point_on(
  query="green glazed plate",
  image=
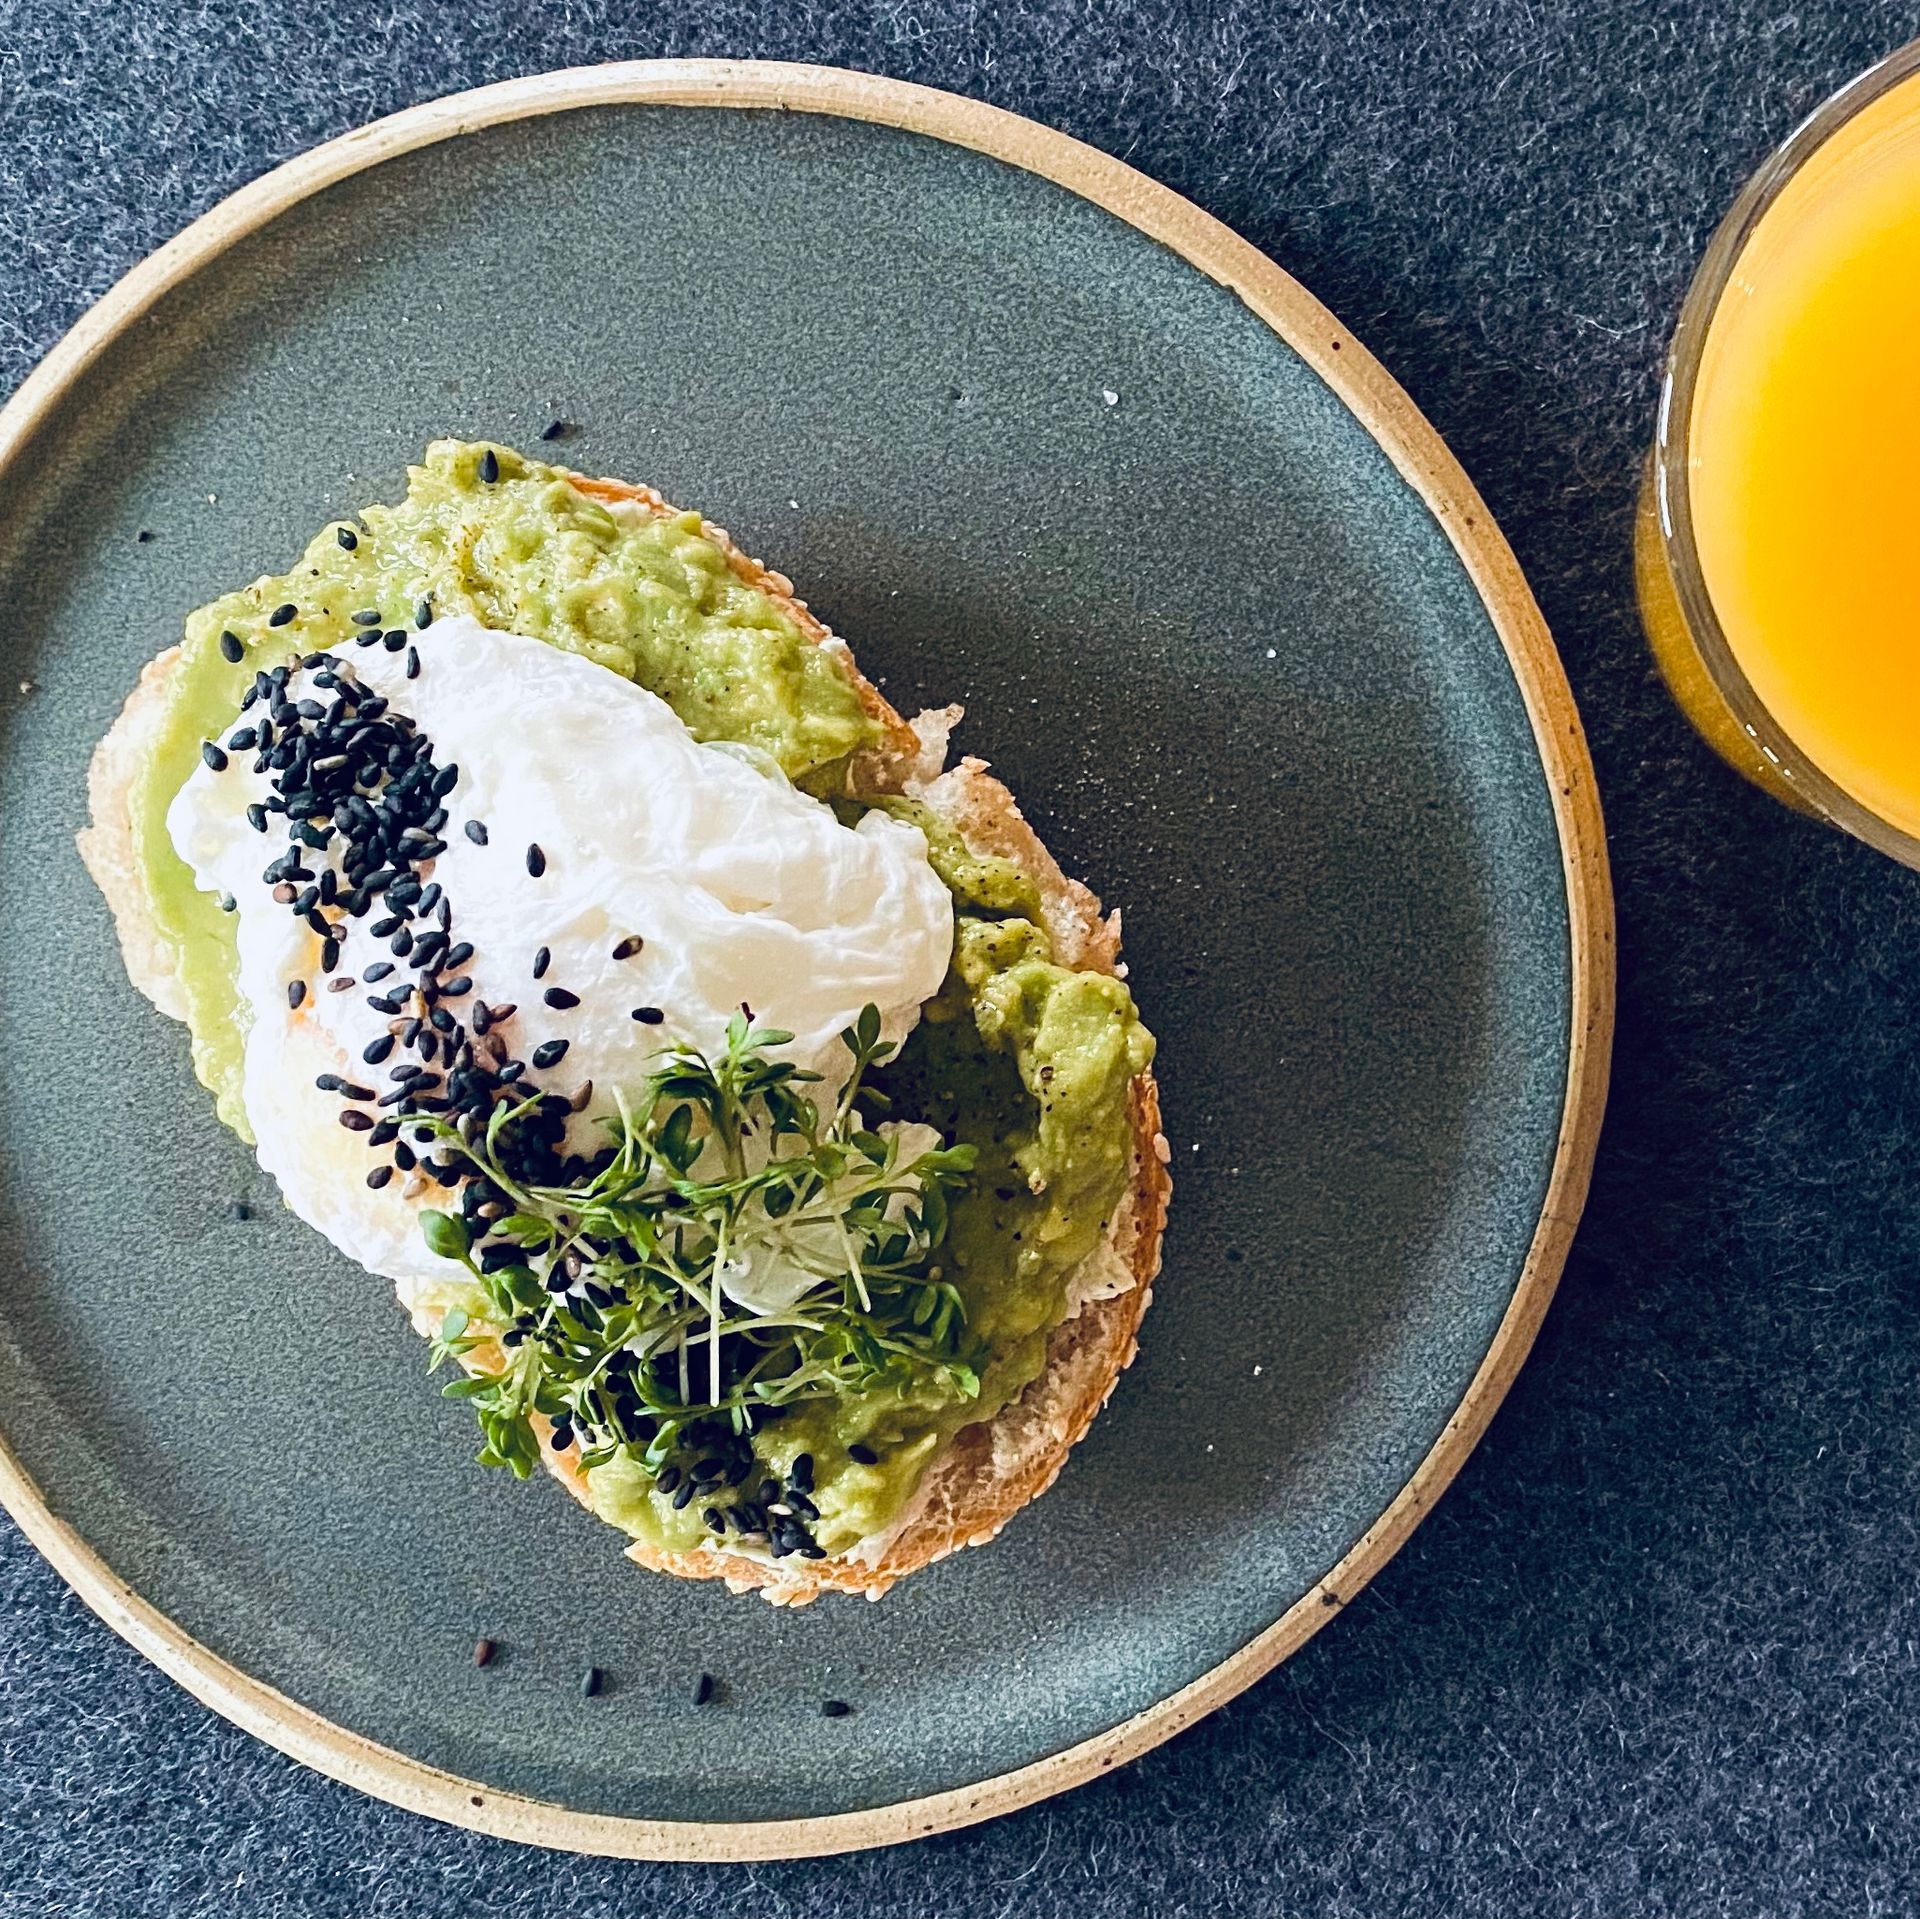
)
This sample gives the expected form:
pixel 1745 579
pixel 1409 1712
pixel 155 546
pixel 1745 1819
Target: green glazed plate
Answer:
pixel 1036 435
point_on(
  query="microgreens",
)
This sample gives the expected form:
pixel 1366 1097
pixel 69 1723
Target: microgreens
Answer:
pixel 617 1299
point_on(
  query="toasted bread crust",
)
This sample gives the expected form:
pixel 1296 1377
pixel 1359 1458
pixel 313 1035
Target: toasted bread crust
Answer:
pixel 991 1469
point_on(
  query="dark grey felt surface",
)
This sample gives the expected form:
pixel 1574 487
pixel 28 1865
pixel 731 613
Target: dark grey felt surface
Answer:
pixel 1655 1654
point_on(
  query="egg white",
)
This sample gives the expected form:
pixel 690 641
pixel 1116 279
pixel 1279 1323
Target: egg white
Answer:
pixel 743 889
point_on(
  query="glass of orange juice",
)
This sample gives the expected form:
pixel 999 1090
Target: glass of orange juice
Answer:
pixel 1778 543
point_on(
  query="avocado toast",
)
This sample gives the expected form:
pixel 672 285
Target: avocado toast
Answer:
pixel 797 1309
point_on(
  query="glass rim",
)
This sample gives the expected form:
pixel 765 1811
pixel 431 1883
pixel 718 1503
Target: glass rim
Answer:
pixel 1671 450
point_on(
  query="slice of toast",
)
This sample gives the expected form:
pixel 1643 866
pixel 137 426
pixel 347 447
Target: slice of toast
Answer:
pixel 991 1469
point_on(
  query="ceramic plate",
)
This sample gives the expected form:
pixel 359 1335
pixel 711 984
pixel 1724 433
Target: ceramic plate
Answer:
pixel 1038 436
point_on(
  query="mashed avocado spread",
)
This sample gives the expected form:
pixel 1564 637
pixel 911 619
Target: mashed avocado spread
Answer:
pixel 1025 1061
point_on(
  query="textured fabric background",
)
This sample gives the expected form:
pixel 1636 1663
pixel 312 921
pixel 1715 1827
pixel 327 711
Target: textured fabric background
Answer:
pixel 1655 1655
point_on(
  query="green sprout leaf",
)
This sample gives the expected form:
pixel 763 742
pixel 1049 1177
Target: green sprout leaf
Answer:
pixel 446 1236
pixel 736 1248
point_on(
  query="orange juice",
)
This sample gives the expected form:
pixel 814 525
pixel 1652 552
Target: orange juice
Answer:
pixel 1803 460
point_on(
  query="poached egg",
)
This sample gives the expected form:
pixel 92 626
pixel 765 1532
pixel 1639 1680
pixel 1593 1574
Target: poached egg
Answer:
pixel 585 821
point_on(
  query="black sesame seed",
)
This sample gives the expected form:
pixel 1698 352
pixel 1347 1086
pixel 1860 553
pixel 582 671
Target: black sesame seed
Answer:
pixel 536 861
pixel 282 614
pixel 328 1082
pixel 381 1004
pixel 648 1015
pixel 376 1050
pixel 549 1053
pixel 381 928
pixel 476 832
pixel 377 971
pixel 800 1473
pixel 403 1157
pixel 379 1176
pixel 560 999
pixel 413 662
pixel 385 1133
pixel 423 614
pixel 713 1519
pixel 591 1679
pixel 347 537
pixel 541 961
pixel 669 1478
pixel 683 1498
pixel 483 1650
pixel 329 954
pixel 460 954
pixel 296 991
pixel 555 430
pixel 347 1090
pixel 257 817
pixel 628 947
pixel 321 930
pixel 703 1689
pixel 863 1455
pixel 356 1121
pixel 394 638
pixel 213 756
pixel 834 1708
pixel 489 466
pixel 231 649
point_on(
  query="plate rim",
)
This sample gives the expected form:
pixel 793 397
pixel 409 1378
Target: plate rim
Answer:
pixel 1423 460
